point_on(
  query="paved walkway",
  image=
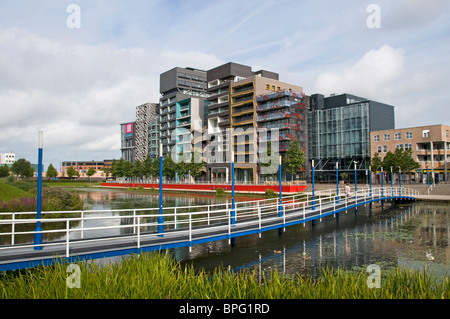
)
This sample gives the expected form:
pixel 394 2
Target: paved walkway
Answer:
pixel 440 192
pixel 434 197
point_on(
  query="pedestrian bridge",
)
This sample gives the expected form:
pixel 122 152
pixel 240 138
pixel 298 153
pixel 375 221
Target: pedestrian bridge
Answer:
pixel 78 235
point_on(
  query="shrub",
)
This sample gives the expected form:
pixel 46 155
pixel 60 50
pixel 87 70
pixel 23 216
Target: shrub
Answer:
pixel 270 193
pixel 220 191
pixel 52 200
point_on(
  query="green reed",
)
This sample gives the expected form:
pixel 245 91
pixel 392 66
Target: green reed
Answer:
pixel 158 276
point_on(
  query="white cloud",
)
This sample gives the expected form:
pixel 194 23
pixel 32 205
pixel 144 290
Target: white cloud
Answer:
pixel 370 76
pixel 78 85
pixel 78 94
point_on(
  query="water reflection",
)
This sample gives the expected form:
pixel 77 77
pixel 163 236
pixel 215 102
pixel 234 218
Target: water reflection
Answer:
pixel 107 199
pixel 411 235
pixel 414 236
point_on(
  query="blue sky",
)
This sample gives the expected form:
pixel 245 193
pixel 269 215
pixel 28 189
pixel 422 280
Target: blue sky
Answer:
pixel 79 84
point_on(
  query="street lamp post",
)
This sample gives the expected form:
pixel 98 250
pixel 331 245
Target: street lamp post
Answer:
pixel 400 180
pixel 280 206
pixel 313 198
pixel 356 183
pixel 38 230
pixel 392 183
pixel 337 182
pixel 233 211
pixel 160 217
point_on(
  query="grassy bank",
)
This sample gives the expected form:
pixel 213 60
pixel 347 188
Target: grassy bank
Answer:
pixel 21 197
pixel 9 192
pixel 157 276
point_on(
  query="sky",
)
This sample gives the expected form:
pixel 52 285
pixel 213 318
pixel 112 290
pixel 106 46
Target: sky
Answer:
pixel 78 72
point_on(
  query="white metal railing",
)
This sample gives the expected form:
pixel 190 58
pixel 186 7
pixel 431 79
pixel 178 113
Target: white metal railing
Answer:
pixel 100 226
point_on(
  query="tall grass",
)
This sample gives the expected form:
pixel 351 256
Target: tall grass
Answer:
pixel 158 276
pixel 52 200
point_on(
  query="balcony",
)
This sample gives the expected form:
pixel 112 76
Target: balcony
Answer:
pixel 239 120
pixel 242 88
pixel 267 106
pixel 242 98
pixel 273 116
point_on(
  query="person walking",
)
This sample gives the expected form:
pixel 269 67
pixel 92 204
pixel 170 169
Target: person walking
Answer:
pixel 347 191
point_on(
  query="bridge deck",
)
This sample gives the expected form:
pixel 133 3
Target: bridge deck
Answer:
pixel 263 218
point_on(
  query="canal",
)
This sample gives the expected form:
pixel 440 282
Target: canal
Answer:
pixel 413 235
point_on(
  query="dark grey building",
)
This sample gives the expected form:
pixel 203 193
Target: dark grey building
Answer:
pixel 183 92
pixel 339 129
pixel 128 141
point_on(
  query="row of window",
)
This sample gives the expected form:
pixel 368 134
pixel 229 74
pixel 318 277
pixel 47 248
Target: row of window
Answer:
pixel 399 146
pixel 397 136
pixel 191 76
pixel 272 88
pixel 409 135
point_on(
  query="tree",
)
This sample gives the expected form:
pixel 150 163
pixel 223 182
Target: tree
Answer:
pixel 376 163
pixel 169 167
pixel 295 159
pixel 22 168
pixel 116 168
pixel 147 166
pixel 155 167
pixel 91 171
pixel 196 165
pixel 127 169
pixel 400 159
pixel 138 169
pixel 51 171
pixel 4 171
pixel 71 172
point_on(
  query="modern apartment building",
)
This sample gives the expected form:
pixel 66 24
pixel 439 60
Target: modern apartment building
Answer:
pixel 135 141
pixel 182 109
pixel 145 114
pixel 7 158
pixel 218 118
pixel 282 114
pixel 429 145
pixel 153 137
pixel 233 117
pixel 127 141
pixel 339 129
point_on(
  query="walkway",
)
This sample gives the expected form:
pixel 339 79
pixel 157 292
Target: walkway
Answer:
pixel 98 234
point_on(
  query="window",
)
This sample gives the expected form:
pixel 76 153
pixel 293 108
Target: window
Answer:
pixel 409 135
pixel 387 137
pixel 426 133
pixel 279 89
pixel 273 87
pixel 399 146
pixel 379 149
pixel 376 138
pixel 268 87
pixel 398 136
pixel 384 148
pixel 408 146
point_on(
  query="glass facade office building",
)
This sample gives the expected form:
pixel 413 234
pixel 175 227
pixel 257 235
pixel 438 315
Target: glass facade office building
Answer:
pixel 339 132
